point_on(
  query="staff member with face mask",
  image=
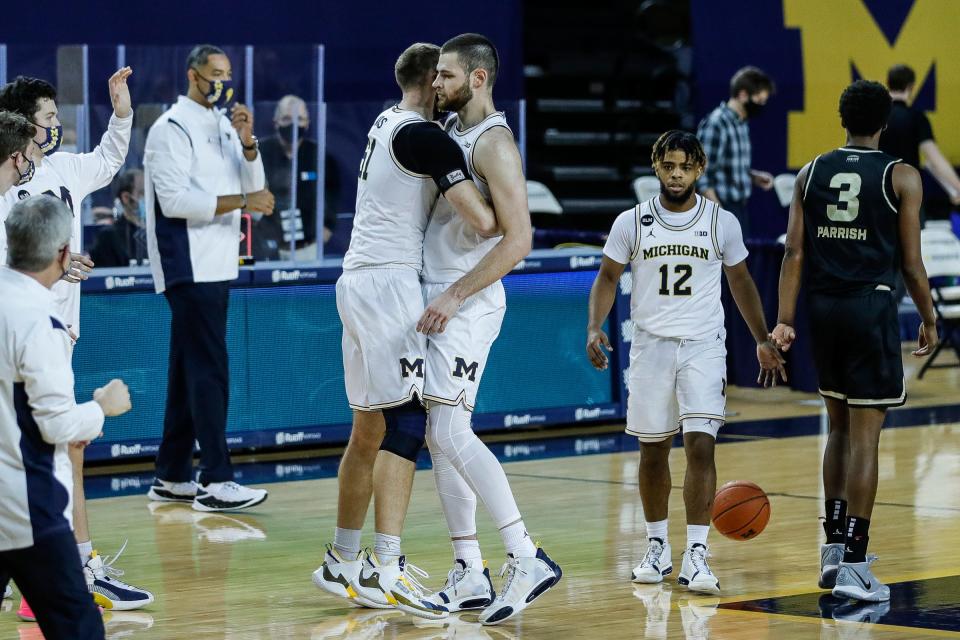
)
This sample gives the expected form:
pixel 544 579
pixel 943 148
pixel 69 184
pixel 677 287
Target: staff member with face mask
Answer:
pixel 201 168
pixel 725 135
pixel 125 241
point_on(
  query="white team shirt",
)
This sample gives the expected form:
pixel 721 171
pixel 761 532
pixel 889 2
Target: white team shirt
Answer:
pixel 72 177
pixel 676 261
pixel 38 414
pixel 193 155
pixel 451 247
pixel 393 204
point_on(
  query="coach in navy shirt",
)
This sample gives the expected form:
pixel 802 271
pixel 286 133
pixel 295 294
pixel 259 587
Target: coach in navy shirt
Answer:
pixel 201 168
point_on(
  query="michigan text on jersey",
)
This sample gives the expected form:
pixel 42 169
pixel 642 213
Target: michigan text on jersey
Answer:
pixel 676 250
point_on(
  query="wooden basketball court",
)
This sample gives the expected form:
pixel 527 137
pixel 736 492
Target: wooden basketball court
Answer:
pixel 247 576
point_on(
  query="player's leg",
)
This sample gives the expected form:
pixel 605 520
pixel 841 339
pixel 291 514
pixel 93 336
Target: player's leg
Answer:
pixel 836 456
pixel 102 577
pixel 652 417
pixel 392 484
pixel 828 341
pixel 701 394
pixel 873 370
pixel 456 360
pixel 468 584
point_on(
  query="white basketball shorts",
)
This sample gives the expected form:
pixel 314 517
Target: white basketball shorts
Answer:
pixel 457 357
pixel 383 355
pixel 675 383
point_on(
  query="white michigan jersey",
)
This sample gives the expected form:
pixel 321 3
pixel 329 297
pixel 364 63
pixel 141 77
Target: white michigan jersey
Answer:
pixel 71 177
pixel 393 204
pixel 676 261
pixel 451 247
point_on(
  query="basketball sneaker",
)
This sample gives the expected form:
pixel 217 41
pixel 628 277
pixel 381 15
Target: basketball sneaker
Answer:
pixel 107 590
pixel 656 563
pixel 526 580
pixel 336 572
pixel 366 584
pixel 695 573
pixel 163 491
pixel 856 580
pixel 466 588
pixel 25 613
pixel 831 555
pixel 227 496
pixel 399 582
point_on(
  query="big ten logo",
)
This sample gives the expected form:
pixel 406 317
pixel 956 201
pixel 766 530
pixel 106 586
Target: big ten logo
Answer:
pixel 840 36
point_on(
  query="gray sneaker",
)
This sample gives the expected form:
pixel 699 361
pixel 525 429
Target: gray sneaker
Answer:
pixel 831 555
pixel 855 580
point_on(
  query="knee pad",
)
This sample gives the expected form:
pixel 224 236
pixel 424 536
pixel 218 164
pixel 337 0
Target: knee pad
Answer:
pixel 406 430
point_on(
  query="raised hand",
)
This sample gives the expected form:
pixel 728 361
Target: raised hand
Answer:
pixel 120 92
pixel 242 120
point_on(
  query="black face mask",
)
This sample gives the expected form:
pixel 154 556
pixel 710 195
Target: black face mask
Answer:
pixel 286 133
pixel 753 109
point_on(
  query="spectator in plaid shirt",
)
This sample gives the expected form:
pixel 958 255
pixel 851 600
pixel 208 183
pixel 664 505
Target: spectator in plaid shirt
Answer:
pixel 725 136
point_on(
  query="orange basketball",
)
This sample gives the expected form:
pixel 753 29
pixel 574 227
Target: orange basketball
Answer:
pixel 741 510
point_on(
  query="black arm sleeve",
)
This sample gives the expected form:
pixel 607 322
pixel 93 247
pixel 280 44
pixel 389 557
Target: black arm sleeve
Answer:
pixel 426 149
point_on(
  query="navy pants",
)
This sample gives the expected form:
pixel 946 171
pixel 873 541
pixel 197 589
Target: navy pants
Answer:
pixel 198 384
pixel 50 577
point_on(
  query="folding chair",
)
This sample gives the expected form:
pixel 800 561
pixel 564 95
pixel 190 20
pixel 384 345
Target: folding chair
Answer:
pixel 941 257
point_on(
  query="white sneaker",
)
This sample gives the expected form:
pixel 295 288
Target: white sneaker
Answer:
pixel 695 573
pixel 227 496
pixel 856 580
pixel 526 580
pixel 466 588
pixel 656 563
pixel 367 584
pixel 336 573
pixel 831 555
pixel 399 582
pixel 108 590
pixel 163 491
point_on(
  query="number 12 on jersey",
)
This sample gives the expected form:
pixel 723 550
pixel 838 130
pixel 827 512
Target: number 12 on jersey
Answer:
pixel 682 270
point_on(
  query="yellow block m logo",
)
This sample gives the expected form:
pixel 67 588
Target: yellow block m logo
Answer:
pixel 837 35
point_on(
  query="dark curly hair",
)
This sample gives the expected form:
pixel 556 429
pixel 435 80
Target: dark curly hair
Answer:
pixel 676 140
pixel 864 107
pixel 22 95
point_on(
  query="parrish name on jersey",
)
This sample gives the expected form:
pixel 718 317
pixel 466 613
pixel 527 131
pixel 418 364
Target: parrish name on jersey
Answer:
pixel 842 233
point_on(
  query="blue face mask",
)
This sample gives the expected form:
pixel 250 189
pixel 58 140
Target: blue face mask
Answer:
pixel 220 93
pixel 26 176
pixel 54 137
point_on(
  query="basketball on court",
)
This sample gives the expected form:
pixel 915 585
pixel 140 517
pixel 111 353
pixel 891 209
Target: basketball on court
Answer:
pixel 741 510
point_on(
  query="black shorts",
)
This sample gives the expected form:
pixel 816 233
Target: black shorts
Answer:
pixel 856 348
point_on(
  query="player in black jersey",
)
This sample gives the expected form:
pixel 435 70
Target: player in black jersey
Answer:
pixel 854 222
